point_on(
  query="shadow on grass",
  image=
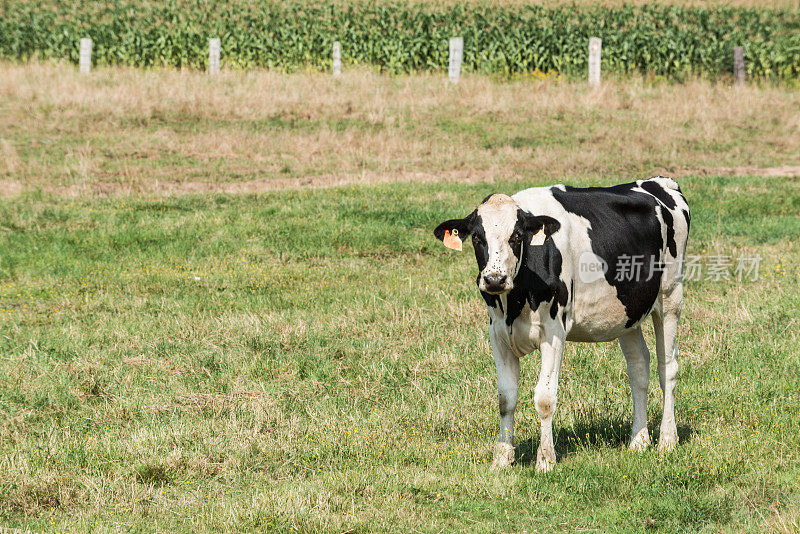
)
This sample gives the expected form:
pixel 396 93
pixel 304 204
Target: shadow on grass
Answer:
pixel 590 435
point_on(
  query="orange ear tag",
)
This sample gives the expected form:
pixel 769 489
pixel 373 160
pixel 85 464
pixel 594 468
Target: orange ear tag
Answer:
pixel 538 238
pixel 452 240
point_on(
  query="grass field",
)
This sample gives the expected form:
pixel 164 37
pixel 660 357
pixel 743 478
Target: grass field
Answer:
pixel 196 335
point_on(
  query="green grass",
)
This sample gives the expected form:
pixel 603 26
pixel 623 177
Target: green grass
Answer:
pixel 315 360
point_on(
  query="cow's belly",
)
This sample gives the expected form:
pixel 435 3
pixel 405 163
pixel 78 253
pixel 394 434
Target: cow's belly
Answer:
pixel 590 334
pixel 597 314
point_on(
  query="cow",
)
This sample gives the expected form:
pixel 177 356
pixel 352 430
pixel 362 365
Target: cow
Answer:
pixel 561 264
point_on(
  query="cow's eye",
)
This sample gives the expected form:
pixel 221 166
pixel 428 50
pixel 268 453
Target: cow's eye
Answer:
pixel 515 237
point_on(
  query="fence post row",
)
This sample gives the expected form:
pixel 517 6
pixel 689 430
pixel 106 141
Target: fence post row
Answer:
pixel 454 68
pixel 85 56
pixel 595 44
pixel 213 55
pixel 738 65
pixel 337 58
pixel 456 55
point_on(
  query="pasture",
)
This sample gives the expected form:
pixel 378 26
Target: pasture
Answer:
pixel 222 307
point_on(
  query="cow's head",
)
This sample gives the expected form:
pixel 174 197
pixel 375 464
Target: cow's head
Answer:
pixel 501 233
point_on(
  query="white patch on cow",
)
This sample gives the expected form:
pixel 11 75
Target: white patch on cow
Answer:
pixel 660 216
pixel 499 216
pixel 666 183
pixel 597 313
pixel 525 335
pixel 591 267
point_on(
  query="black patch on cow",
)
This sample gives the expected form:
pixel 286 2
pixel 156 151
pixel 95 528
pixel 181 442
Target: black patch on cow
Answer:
pixel 564 319
pixel 669 222
pixel 624 225
pixel 657 191
pixel 538 279
pixel 479 243
pixel 492 301
pixel 533 223
pixel 688 218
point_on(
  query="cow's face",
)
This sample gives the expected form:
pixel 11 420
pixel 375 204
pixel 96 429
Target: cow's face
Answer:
pixel 501 232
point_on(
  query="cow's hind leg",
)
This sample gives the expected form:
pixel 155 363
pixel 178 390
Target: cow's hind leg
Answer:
pixel 637 359
pixel 665 325
pixel 507 364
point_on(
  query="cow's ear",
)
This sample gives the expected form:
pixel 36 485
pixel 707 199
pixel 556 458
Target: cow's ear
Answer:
pixel 455 231
pixel 541 227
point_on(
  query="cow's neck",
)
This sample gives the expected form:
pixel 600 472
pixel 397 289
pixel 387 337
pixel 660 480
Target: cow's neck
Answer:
pixel 529 288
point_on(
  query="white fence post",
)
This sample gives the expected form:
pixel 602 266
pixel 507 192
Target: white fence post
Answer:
pixel 86 56
pixel 213 55
pixel 738 65
pixel 337 58
pixel 595 44
pixel 456 55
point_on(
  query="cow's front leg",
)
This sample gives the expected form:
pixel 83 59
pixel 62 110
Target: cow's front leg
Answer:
pixel 507 364
pixel 545 397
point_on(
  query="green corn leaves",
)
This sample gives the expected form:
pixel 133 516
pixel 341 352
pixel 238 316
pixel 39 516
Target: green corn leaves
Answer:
pixel 669 41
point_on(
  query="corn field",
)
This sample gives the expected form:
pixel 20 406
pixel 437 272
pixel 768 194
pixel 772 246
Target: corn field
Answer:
pixel 662 40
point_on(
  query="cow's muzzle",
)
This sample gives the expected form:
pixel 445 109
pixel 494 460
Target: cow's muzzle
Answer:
pixel 494 283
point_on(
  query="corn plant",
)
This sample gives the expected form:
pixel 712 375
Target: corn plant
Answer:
pixel 663 40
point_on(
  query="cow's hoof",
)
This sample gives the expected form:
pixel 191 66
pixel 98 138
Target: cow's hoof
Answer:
pixel 545 462
pixel 503 455
pixel 667 445
pixel 667 440
pixel 640 441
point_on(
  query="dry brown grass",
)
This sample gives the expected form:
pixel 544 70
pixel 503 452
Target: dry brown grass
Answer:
pixel 166 131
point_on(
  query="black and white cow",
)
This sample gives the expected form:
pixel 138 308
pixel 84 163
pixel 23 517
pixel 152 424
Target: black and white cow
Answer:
pixel 589 264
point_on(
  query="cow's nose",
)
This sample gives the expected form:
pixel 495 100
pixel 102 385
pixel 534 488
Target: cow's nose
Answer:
pixel 495 282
